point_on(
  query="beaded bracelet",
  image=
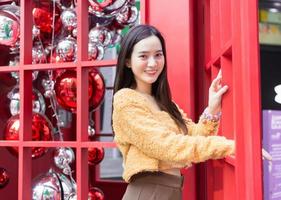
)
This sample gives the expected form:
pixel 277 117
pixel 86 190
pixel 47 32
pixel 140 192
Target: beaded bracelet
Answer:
pixel 208 116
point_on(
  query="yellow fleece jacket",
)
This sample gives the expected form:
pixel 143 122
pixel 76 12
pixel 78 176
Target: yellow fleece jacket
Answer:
pixel 150 140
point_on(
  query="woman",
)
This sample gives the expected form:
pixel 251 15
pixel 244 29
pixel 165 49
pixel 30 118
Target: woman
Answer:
pixel 154 136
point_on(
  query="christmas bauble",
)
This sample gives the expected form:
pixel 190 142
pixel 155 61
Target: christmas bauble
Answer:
pixel 69 19
pixel 128 15
pixel 91 131
pixel 38 54
pixel 41 131
pixel 43 17
pixel 66 49
pixel 95 155
pixel 9 25
pixel 98 89
pixel 63 157
pixel 47 186
pixel 68 186
pixel 115 7
pixel 66 89
pixel 100 35
pixel 4 177
pixel 95 51
pixel 38 102
pixel 95 194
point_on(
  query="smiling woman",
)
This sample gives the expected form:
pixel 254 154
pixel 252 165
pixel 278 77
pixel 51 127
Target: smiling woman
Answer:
pixel 153 134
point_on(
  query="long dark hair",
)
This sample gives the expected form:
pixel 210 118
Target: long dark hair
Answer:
pixel 160 88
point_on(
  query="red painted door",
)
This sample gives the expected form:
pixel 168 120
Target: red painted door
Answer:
pixel 229 41
pixel 175 21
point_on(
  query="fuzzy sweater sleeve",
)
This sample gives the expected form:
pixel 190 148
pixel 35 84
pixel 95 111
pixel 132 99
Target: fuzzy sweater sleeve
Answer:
pixel 204 127
pixel 134 124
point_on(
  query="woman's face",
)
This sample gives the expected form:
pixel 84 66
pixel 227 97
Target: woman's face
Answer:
pixel 147 62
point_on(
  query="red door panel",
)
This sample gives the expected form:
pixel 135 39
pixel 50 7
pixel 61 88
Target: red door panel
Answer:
pixel 231 44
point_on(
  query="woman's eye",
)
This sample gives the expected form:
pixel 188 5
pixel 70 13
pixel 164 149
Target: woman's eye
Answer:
pixel 158 55
pixel 143 56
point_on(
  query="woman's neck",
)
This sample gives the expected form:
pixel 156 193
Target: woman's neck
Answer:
pixel 144 90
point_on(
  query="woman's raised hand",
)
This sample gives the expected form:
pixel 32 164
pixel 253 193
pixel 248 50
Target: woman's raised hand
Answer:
pixel 216 92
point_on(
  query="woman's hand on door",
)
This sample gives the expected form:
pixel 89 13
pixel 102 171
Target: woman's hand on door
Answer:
pixel 216 92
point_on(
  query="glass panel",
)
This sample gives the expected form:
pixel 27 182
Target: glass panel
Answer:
pixel 111 167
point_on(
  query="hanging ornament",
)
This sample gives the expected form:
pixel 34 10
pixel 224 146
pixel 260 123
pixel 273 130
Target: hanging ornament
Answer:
pixel 43 18
pixel 48 86
pixel 66 49
pixel 9 30
pixel 66 89
pixel 47 186
pixel 114 8
pixel 41 131
pixel 4 177
pixel 95 51
pixel 68 186
pixel 106 8
pixel 9 25
pixel 95 194
pixel 128 15
pixel 98 88
pixel 38 54
pixel 95 9
pixel 63 157
pixel 69 19
pixel 91 132
pixel 38 101
pixel 35 32
pixel 95 155
pixel 100 35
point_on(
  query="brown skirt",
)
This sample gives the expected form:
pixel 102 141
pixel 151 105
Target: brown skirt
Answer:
pixel 154 186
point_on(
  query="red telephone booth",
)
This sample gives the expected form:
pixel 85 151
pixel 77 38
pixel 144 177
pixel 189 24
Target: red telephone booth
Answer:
pixel 208 36
pixel 202 37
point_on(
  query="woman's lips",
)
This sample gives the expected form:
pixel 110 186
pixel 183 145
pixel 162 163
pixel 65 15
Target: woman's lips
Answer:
pixel 151 72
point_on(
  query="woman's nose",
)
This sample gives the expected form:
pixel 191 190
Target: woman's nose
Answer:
pixel 151 61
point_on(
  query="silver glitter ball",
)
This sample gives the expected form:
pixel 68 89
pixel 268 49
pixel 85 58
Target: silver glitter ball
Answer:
pixel 63 157
pixel 69 19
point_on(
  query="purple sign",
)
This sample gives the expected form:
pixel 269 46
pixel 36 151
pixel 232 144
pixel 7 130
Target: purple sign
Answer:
pixel 272 143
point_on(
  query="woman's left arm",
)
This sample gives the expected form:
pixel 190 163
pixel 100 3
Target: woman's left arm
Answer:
pixel 209 121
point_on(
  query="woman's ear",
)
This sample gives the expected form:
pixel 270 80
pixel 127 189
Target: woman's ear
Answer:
pixel 128 63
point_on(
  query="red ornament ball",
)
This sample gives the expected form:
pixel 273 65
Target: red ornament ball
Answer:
pixel 4 177
pixel 95 155
pixel 41 131
pixel 66 89
pixel 95 194
pixel 98 85
pixel 43 17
